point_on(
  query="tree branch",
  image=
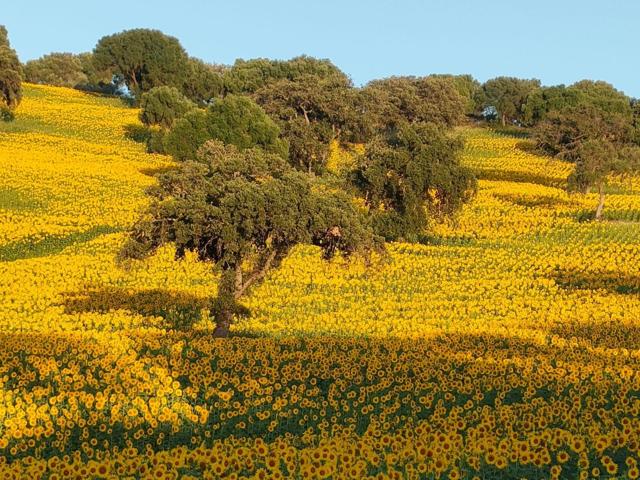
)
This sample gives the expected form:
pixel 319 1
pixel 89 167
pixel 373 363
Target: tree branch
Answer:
pixel 258 273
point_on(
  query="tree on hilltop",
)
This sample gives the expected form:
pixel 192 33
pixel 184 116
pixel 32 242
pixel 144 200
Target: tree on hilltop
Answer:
pixel 434 99
pixel 143 59
pixel 507 95
pixel 249 76
pixel 10 76
pixel 597 134
pixel 599 95
pixel 59 69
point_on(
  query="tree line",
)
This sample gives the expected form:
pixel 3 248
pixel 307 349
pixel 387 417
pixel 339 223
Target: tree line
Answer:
pixel 252 143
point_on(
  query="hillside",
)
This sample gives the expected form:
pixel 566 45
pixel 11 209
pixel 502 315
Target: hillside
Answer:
pixel 517 292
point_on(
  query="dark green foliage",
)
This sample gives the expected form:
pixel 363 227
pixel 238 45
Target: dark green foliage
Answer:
pixel 467 86
pixel 409 173
pixel 233 120
pixel 101 82
pixel 547 99
pixel 203 82
pixel 604 97
pixel 312 111
pixel 143 58
pixel 155 142
pixel 433 99
pixel 562 132
pixel 137 133
pixel 187 135
pixel 60 69
pixel 163 105
pixel 635 132
pixel 596 159
pixel 442 103
pixel 244 208
pixel 599 95
pixel 10 77
pixel 593 126
pixel 248 76
pixel 239 121
pixel 507 95
pixel 6 114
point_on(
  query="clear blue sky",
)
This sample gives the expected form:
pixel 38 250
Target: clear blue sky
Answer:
pixel 557 41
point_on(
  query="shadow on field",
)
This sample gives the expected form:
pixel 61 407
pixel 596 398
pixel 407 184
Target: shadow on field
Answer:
pixel 51 245
pixel 180 310
pixel 154 171
pixel 533 201
pixel 604 334
pixel 614 282
pixel 516 176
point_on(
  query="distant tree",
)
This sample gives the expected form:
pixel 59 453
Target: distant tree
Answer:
pixel 143 59
pixel 417 99
pixel 60 69
pixel 548 99
pixel 248 76
pixel 243 211
pixel 592 126
pixel 467 86
pixel 442 103
pixel 599 95
pixel 234 120
pixel 203 81
pixel 635 134
pixel 311 112
pixel 68 70
pixel 603 96
pixel 507 95
pixel 562 132
pixel 162 106
pixel 410 173
pixel 596 160
pixel 10 76
pixel 97 81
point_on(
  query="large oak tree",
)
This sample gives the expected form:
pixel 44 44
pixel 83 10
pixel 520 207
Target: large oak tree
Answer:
pixel 243 211
pixel 143 59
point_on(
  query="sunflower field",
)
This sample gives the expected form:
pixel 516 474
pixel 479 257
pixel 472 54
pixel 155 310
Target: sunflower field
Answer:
pixel 504 345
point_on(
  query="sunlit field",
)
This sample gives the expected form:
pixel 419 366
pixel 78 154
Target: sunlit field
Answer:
pixel 506 344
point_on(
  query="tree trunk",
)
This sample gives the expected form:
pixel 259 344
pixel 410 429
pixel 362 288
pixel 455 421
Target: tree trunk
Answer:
pixel 233 285
pixel 223 323
pixel 306 115
pixel 503 119
pixel 229 286
pixel 600 202
pixel 134 82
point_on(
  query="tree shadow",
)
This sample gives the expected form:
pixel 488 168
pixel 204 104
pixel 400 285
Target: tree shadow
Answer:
pixel 499 175
pixel 180 310
pixel 154 171
pixel 136 132
pixel 614 282
pixel 51 245
pixel 603 334
pixel 539 201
